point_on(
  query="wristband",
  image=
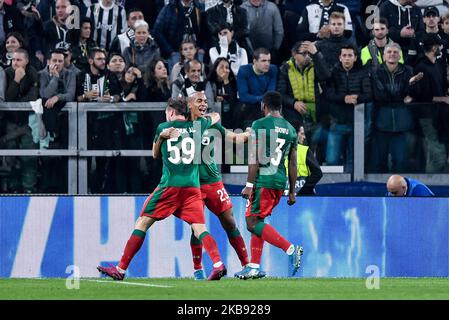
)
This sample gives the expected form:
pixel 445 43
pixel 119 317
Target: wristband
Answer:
pixel 249 184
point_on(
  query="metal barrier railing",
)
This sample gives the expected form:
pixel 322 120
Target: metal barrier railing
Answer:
pixel 72 149
pixel 77 150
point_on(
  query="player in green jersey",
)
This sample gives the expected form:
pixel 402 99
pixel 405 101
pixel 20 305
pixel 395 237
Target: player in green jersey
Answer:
pixel 177 142
pixel 214 194
pixel 273 139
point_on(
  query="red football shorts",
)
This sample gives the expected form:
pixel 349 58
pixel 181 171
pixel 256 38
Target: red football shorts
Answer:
pixel 183 202
pixel 216 197
pixel 262 201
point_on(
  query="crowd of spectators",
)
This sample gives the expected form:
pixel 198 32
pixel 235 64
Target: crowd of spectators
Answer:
pixel 323 56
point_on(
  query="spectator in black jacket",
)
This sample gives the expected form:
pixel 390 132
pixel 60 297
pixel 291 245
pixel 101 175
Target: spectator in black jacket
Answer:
pixel 348 86
pixel 177 21
pixel 12 20
pixel 404 21
pixel 392 117
pixel 229 11
pixel 22 85
pixel 82 44
pixel 431 91
pixel 55 29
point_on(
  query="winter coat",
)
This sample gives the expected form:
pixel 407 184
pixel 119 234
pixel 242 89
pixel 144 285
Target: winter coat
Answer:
pixel 343 83
pixel 398 17
pixel 142 55
pixel 390 113
pixel 169 27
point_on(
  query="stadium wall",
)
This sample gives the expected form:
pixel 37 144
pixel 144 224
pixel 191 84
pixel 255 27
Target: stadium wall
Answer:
pixel 342 237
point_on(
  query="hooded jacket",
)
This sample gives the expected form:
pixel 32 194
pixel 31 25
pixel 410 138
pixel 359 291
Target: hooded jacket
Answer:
pixel 399 16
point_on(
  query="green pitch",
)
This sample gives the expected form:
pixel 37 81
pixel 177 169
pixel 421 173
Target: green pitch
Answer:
pixel 228 288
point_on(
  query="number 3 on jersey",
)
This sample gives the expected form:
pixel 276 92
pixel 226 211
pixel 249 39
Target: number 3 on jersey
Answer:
pixel 278 152
pixel 185 154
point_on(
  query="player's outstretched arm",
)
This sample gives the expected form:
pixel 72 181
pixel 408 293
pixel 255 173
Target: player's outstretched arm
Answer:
pixel 292 174
pixel 238 138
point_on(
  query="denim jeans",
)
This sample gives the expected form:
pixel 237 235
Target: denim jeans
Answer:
pixel 434 150
pixel 393 143
pixel 340 144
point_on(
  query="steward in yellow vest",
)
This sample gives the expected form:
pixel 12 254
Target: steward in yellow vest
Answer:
pixel 309 170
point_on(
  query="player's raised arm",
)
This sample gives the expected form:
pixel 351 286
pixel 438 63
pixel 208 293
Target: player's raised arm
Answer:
pixel 292 174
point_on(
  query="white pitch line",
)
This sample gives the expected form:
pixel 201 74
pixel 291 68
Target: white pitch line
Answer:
pixel 130 283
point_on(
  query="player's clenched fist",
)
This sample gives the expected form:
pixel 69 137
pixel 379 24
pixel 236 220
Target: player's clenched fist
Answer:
pixel 291 199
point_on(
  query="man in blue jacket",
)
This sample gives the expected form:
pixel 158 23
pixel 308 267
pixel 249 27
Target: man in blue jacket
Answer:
pixel 399 186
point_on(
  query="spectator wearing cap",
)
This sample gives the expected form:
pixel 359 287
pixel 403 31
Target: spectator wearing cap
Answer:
pixel 66 48
pixel 404 21
pixel 266 29
pixel 431 18
pixel 315 19
pixel 431 92
pixel 143 48
pixel 57 87
pixel 441 5
pixel 82 44
pixel 123 40
pixel 192 82
pixel 229 49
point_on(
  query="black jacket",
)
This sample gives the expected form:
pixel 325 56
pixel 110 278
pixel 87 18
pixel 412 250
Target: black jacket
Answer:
pixel 343 83
pixel 13 19
pixel 390 113
pixel 216 17
pixel 331 48
pixel 398 17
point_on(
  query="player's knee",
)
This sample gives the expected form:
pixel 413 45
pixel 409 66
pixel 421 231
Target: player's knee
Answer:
pixel 250 227
pixel 144 223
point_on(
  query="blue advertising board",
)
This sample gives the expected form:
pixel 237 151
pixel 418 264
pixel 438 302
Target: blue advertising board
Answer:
pixel 342 237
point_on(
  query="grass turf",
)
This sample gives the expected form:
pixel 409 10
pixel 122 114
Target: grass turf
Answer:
pixel 228 288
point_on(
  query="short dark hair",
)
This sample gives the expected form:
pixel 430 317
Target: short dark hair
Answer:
pixel 259 51
pixel 180 106
pixel 93 52
pixel 272 100
pixel 350 46
pixel 113 54
pixel 56 51
pixel 24 52
pixel 131 11
pixel 383 21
